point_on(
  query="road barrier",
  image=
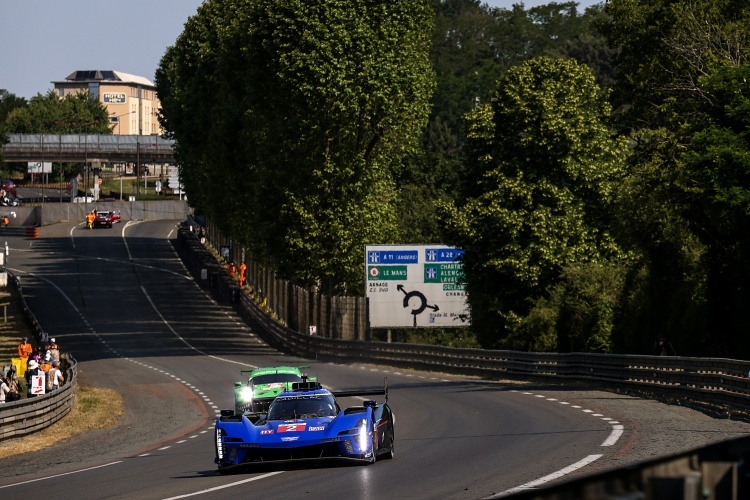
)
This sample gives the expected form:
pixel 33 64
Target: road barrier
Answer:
pixel 716 471
pixel 25 416
pixel 717 384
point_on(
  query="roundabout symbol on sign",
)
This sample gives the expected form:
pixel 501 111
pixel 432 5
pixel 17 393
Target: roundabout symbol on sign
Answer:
pixel 422 302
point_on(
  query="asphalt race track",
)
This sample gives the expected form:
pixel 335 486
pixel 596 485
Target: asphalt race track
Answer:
pixel 123 304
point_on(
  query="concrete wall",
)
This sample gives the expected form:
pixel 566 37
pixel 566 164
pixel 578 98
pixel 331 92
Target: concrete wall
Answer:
pixel 52 213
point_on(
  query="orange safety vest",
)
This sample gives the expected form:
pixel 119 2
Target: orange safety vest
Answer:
pixel 24 349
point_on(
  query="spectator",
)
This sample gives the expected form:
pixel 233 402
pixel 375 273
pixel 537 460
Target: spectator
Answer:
pixel 44 340
pixel 12 382
pixel 663 347
pixel 54 350
pixel 24 350
pixel 4 390
pixel 33 371
pixel 46 363
pixel 243 271
pixel 56 376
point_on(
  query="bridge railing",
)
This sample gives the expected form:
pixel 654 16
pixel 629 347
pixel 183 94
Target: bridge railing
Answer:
pixel 56 147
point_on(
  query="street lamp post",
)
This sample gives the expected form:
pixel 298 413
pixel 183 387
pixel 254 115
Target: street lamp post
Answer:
pixel 138 144
pixel 86 162
pixel 42 143
pixel 61 169
pixel 62 174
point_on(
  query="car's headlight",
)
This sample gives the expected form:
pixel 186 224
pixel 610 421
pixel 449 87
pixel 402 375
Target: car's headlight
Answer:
pixel 246 394
pixel 363 436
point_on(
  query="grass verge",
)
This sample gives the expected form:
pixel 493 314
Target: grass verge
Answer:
pixel 96 408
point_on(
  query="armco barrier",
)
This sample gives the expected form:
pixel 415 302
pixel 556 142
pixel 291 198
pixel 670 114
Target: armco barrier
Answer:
pixel 717 471
pixel 33 414
pixel 721 383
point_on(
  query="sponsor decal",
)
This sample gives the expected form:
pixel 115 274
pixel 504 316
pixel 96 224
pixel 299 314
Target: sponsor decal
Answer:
pixel 292 427
pixel 266 431
pixel 276 385
pixel 316 428
pixel 292 438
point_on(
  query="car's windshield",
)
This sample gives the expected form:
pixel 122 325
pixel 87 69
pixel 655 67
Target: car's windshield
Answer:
pixel 289 408
pixel 275 377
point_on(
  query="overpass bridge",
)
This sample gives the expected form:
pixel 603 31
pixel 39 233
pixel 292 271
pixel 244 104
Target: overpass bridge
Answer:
pixel 138 149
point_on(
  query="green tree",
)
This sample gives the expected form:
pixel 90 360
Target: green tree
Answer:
pixel 8 103
pixel 48 114
pixel 664 47
pixel 678 65
pixel 187 81
pixel 543 173
pixel 715 186
pixel 314 104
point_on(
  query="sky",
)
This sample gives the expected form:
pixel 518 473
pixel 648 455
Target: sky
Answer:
pixel 46 40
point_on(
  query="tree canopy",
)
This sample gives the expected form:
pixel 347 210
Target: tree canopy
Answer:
pixel 543 170
pixel 73 114
pixel 310 106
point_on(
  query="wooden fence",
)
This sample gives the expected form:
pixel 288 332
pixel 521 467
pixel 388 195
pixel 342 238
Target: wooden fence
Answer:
pixel 297 307
pixel 721 383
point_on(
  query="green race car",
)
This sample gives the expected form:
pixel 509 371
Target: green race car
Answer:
pixel 263 385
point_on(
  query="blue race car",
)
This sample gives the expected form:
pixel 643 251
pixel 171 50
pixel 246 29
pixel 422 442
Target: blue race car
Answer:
pixel 306 424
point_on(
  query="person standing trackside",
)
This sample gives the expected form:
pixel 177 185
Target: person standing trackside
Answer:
pixel 54 350
pixel 33 371
pixel 4 390
pixel 24 351
pixel 663 347
pixel 243 271
pixel 232 270
pixel 90 217
pixel 55 377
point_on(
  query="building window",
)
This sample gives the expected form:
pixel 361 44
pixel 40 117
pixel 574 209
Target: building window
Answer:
pixel 94 89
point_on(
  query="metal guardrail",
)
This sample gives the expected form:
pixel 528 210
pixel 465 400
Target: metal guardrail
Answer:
pixel 26 416
pixel 88 147
pixel 722 383
pixel 718 471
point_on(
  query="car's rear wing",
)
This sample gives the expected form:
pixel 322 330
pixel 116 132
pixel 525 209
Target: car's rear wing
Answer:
pixel 367 392
pixel 303 367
